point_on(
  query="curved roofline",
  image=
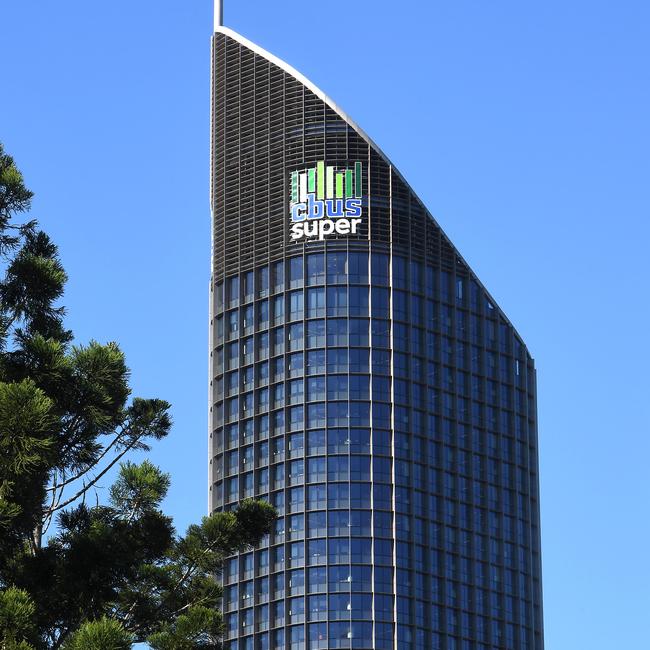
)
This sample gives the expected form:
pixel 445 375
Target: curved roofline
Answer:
pixel 308 84
pixel 283 65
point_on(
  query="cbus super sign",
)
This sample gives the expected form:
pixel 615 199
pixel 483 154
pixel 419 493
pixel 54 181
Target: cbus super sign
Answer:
pixel 325 201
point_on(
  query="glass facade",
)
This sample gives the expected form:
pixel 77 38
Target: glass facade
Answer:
pixel 370 390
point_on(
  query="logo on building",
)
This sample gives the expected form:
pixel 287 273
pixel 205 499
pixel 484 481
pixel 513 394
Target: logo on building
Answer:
pixel 325 201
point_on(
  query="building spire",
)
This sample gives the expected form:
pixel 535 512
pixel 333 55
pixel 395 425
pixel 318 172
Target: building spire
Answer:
pixel 218 13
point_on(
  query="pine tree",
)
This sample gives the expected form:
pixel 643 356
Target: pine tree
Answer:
pixel 74 575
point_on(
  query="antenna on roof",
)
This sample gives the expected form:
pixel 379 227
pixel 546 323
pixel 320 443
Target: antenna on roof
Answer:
pixel 218 13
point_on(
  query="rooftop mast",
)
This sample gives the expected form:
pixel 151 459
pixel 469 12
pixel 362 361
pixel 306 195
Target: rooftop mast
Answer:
pixel 218 13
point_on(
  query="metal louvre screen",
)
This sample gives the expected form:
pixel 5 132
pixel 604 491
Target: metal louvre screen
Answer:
pixel 267 125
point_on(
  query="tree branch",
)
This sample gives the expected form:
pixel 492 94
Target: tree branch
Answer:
pixel 76 477
pixel 87 486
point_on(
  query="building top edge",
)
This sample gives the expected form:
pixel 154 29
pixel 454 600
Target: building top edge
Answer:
pixel 289 69
pixel 305 82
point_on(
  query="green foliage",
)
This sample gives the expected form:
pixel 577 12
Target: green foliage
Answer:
pixel 26 426
pixel 138 490
pixel 14 198
pixel 103 634
pixel 108 575
pixel 17 628
pixel 199 627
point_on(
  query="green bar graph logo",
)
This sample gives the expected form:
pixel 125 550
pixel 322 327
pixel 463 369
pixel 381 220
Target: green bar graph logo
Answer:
pixel 325 182
pixel 325 200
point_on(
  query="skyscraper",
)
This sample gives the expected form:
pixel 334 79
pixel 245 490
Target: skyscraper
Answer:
pixel 365 383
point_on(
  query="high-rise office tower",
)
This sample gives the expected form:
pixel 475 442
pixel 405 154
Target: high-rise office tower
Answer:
pixel 366 384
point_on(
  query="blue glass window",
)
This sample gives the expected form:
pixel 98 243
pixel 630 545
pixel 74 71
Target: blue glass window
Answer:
pixel 337 268
pixel 380 302
pixel 317 580
pixel 316 269
pixel 295 272
pixel 316 333
pixel 358 268
pixel 337 301
pixel 337 332
pixel 380 269
pixel 316 302
pixel 359 303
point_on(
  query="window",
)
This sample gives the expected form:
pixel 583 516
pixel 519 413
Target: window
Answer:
pixel 297 581
pixel 339 607
pixel 360 550
pixel 360 441
pixel 358 268
pixel 338 441
pixel 232 292
pixel 360 495
pixel 315 303
pixel 277 276
pixel 315 269
pixel 318 605
pixel 315 333
pixel 295 445
pixel 338 495
pixel 317 634
pixel 296 418
pixel 340 635
pixel 360 413
pixel 316 526
pixel 316 389
pixel 296 611
pixel 315 415
pixel 296 362
pixel 295 272
pixel 315 470
pixel 317 580
pixel 315 362
pixel 358 328
pixel 361 578
pixel 262 373
pixel 359 360
pixel 278 613
pixel 248 322
pixel 263 282
pixel 337 301
pixel 263 314
pixel 400 306
pixel 248 377
pixel 316 552
pixel 362 608
pixel 381 362
pixel 380 333
pixel 359 303
pixel 316 442
pixel 360 523
pixel 296 339
pixel 337 361
pixel 339 579
pixel 337 267
pixel 337 387
pixel 295 391
pixel 337 332
pixel 278 310
pixel 296 472
pixel 296 305
pixel 380 269
pixel 360 468
pixel 338 468
pixel 400 276
pixel 316 496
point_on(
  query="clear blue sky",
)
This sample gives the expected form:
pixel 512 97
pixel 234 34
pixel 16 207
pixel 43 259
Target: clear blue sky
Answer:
pixel 525 127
